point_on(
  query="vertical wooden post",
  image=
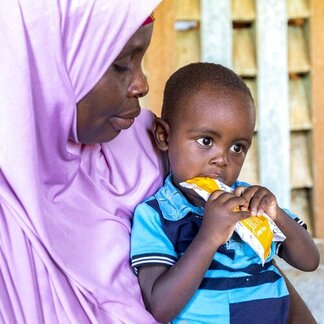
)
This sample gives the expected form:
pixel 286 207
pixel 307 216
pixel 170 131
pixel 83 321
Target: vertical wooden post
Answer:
pixel 160 57
pixel 272 88
pixel 317 98
pixel 187 40
pixel 216 32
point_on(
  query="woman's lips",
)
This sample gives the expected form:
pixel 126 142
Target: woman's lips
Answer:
pixel 125 120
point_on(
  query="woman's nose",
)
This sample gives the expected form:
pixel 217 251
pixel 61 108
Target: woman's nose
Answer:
pixel 139 86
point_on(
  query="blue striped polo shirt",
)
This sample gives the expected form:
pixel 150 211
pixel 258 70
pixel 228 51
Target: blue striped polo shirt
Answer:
pixel 235 289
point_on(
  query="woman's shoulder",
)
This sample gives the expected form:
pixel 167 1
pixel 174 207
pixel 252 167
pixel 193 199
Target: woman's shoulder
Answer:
pixel 146 118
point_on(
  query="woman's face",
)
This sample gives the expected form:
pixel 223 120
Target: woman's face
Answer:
pixel 112 104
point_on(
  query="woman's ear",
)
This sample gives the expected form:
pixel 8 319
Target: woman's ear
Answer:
pixel 161 134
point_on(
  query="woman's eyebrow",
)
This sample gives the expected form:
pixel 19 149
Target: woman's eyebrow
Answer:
pixel 129 51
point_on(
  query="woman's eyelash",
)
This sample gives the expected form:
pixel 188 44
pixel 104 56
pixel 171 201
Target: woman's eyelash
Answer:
pixel 121 68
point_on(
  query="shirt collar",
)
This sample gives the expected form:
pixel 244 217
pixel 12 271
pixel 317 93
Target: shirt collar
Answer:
pixel 173 203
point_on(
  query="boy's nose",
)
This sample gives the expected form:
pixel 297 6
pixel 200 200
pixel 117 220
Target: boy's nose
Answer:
pixel 220 160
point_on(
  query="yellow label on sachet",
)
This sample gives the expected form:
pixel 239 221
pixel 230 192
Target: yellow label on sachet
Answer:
pixel 259 226
pixel 208 184
pixel 257 231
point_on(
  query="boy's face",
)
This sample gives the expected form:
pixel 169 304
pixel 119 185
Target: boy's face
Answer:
pixel 210 135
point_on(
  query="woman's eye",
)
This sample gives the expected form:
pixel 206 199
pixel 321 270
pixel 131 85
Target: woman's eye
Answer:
pixel 237 148
pixel 205 141
pixel 121 68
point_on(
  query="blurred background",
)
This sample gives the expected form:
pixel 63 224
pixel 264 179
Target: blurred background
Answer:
pixel 277 47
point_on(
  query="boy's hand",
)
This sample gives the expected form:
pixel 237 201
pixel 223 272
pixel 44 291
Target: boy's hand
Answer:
pixel 259 200
pixel 220 218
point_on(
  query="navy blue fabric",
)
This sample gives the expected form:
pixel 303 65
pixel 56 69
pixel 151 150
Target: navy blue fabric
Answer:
pixel 181 232
pixel 251 269
pixel 263 311
pixel 239 282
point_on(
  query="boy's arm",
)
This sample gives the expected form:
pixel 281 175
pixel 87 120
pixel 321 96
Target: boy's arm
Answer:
pixel 166 291
pixel 299 248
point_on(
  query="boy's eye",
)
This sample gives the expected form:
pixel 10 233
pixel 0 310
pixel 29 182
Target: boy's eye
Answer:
pixel 237 148
pixel 205 141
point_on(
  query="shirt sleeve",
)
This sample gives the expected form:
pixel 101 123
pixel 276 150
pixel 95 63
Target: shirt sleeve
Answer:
pixel 149 244
pixel 296 219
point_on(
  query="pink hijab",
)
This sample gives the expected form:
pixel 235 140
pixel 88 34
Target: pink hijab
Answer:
pixel 66 208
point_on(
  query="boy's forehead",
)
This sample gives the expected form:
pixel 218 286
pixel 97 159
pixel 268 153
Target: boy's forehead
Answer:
pixel 216 104
pixel 211 94
pixel 213 103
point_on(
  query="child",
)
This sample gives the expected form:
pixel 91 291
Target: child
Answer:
pixel 192 267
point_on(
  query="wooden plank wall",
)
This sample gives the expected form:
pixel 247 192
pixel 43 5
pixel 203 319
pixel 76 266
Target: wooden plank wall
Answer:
pixel 317 97
pixel 160 59
pixel 226 32
pixel 299 68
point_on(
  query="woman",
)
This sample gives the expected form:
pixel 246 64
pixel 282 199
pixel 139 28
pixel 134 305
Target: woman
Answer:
pixel 71 74
pixel 66 207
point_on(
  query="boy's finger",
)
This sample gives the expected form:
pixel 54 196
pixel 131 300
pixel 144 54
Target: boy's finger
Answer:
pixel 239 191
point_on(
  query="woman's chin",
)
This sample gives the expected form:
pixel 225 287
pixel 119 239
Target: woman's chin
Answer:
pixel 120 123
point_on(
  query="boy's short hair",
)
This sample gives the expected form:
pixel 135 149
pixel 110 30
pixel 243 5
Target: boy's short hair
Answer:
pixel 195 76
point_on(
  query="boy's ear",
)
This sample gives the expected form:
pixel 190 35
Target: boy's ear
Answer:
pixel 161 134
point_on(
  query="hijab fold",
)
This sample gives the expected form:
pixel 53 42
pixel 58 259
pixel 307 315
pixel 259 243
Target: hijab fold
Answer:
pixel 66 208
